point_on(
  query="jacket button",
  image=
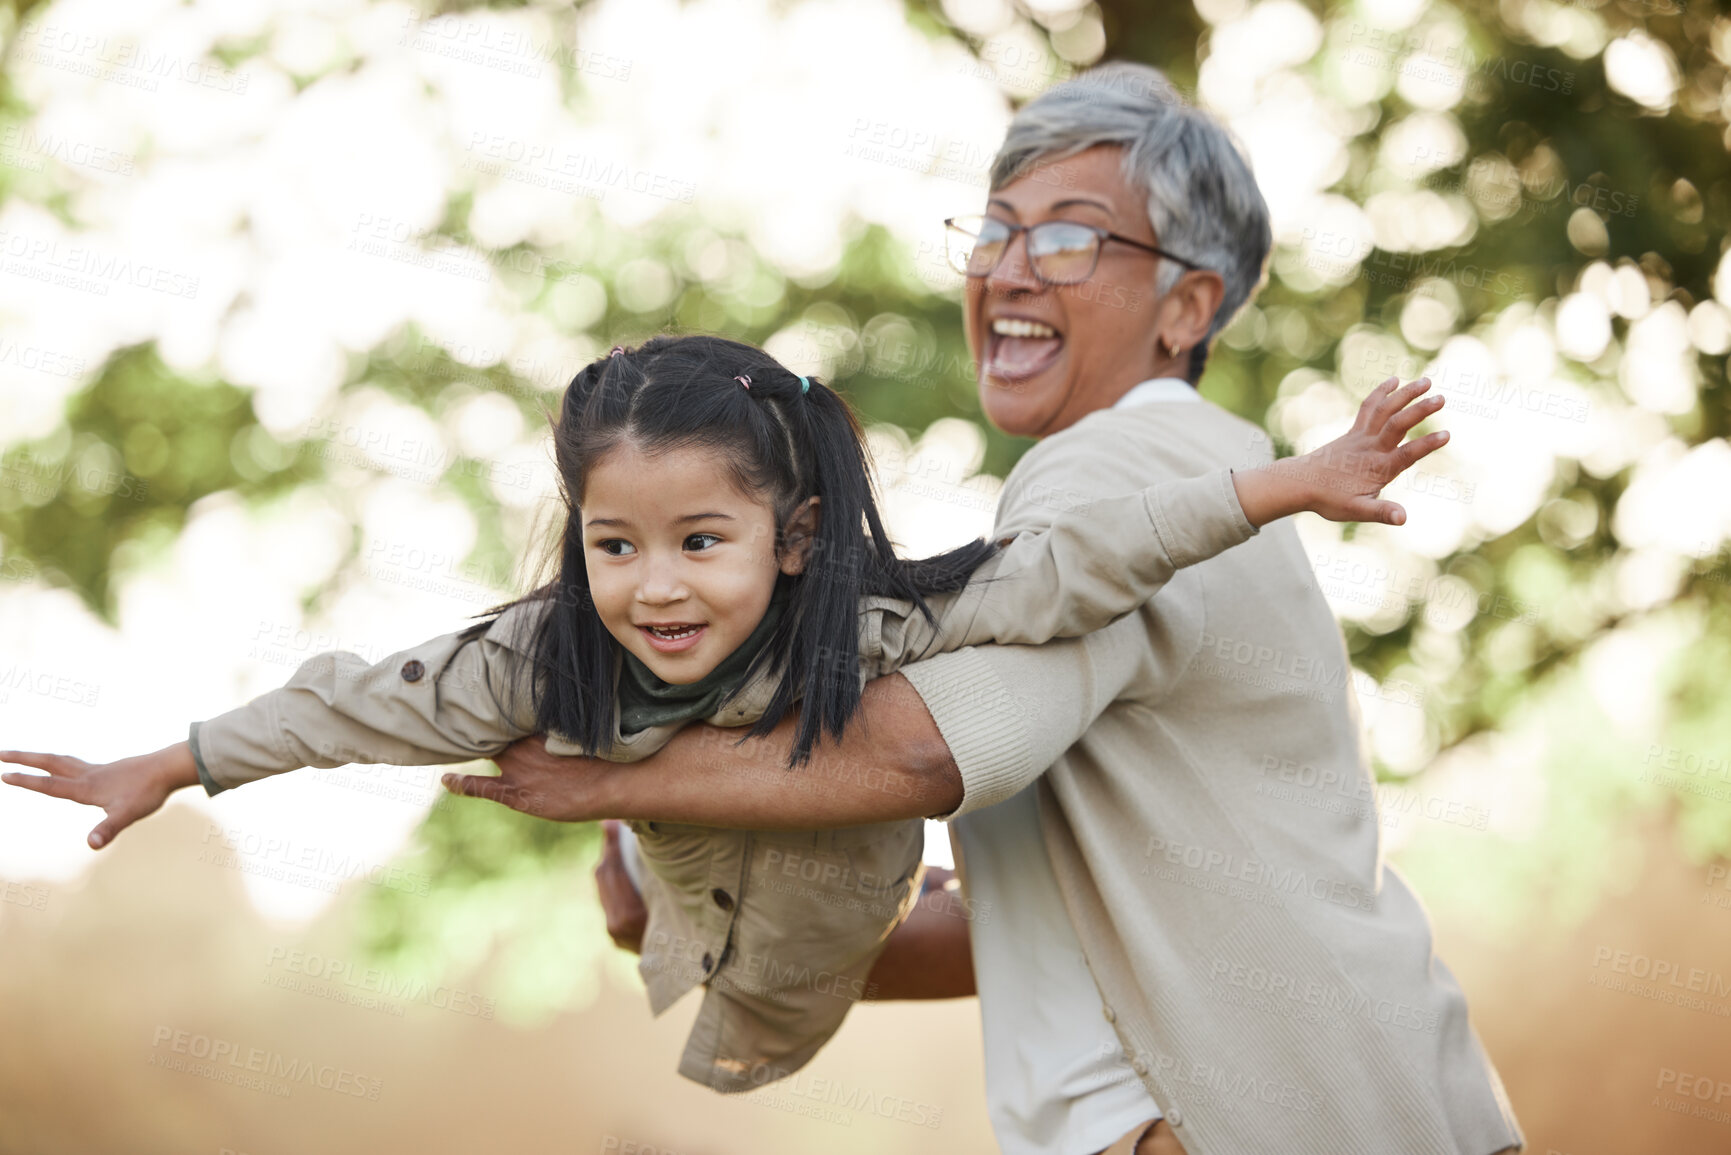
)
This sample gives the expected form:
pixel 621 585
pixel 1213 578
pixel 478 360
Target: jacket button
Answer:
pixel 1174 1118
pixel 708 962
pixel 412 670
pixel 1111 1015
pixel 722 899
pixel 1139 1067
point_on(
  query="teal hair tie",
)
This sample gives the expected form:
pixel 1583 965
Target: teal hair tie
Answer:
pixel 804 385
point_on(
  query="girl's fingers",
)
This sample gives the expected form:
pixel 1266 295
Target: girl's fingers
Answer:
pixel 57 787
pixel 105 831
pixel 1414 451
pixel 1373 509
pixel 1366 421
pixel 1402 422
pixel 59 764
pixel 1394 402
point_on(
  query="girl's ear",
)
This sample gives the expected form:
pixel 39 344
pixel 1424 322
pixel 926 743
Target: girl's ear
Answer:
pixel 800 533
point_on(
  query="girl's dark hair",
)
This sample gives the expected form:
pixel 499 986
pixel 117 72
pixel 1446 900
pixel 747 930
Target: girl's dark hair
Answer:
pixel 682 392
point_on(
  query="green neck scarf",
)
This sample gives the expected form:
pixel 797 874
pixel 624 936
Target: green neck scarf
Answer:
pixel 645 700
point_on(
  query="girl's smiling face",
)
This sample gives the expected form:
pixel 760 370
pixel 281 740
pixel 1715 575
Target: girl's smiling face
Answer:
pixel 681 564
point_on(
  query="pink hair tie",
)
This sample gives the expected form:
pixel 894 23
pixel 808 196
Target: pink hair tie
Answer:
pixel 743 380
pixel 617 350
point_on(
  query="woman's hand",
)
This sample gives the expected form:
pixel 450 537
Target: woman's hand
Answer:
pixel 127 790
pixel 1341 480
pixel 532 781
pixel 626 915
pixel 928 956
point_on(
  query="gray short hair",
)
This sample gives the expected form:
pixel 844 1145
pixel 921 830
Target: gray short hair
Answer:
pixel 1202 198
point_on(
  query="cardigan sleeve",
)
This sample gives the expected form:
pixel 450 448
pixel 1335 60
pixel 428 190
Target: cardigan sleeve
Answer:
pixel 456 697
pixel 1008 712
pixel 1079 563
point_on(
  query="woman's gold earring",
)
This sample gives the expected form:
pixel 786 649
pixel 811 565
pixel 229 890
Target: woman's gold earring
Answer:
pixel 1170 348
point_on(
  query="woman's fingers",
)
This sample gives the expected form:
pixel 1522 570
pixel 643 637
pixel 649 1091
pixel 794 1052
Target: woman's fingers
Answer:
pixel 620 903
pixel 493 788
pixel 611 857
pixel 473 785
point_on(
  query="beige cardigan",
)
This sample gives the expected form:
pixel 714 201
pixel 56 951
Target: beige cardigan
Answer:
pixel 1271 980
pixel 780 927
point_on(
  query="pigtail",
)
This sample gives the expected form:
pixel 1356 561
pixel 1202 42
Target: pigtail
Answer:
pixel 821 626
pixel 851 555
pixel 884 572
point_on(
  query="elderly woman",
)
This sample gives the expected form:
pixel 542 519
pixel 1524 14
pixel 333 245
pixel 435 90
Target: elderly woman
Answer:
pixel 1193 943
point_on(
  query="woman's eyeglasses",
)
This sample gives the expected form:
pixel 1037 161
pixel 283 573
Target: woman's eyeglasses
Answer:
pixel 1059 252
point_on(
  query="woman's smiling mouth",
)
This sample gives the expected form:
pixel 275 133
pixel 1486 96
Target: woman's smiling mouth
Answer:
pixel 1019 347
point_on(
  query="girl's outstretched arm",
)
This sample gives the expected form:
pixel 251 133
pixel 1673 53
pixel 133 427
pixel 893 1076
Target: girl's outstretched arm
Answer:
pixel 448 699
pixel 1090 566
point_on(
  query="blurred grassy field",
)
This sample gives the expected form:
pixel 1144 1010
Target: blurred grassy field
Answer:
pixel 151 940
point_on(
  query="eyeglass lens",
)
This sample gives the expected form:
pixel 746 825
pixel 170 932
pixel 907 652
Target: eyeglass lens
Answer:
pixel 1060 251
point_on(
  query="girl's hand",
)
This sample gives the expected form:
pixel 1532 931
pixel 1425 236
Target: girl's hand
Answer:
pixel 127 790
pixel 1341 480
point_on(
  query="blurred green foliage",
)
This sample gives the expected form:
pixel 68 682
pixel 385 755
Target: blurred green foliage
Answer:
pixel 139 446
pixel 507 892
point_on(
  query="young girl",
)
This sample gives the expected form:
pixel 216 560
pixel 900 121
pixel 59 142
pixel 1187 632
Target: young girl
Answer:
pixel 722 560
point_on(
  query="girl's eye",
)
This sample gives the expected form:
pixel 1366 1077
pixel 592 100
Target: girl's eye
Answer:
pixel 700 539
pixel 616 547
